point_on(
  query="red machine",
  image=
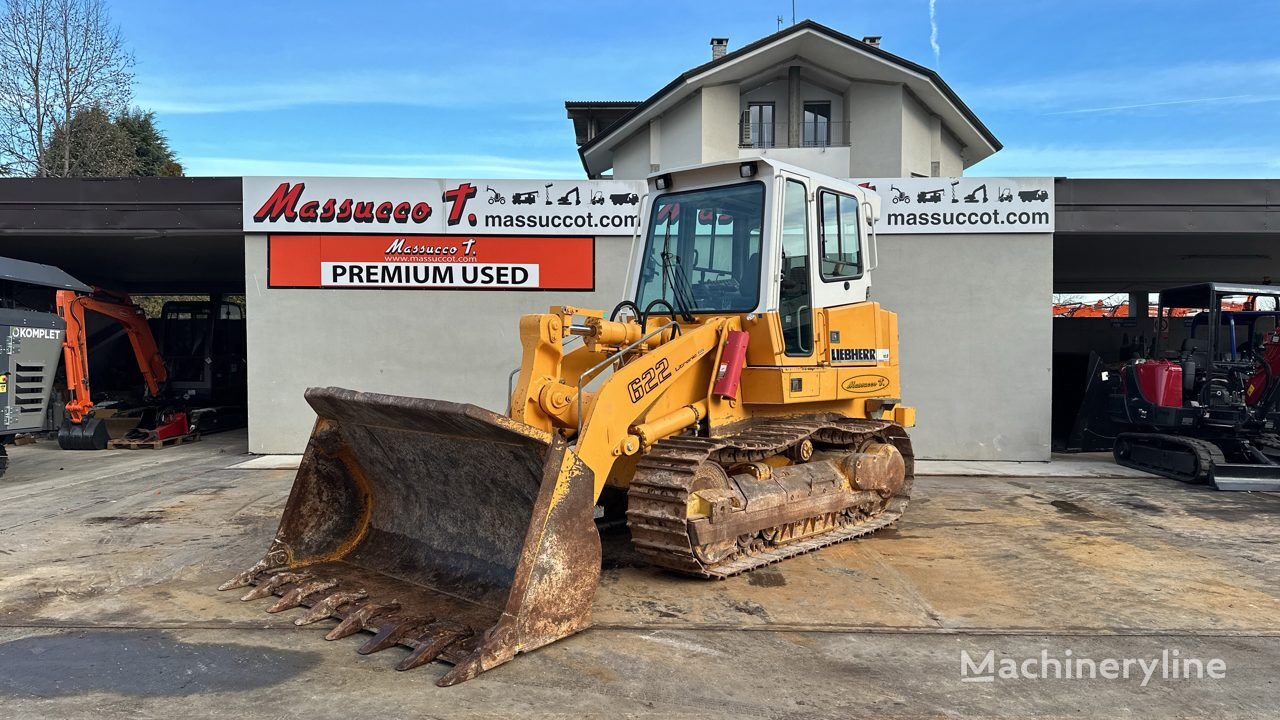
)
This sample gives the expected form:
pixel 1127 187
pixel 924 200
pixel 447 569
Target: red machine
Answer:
pixel 1269 368
pixel 1160 382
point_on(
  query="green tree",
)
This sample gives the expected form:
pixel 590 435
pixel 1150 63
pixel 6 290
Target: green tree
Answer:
pixel 129 145
pixel 154 157
pixel 91 146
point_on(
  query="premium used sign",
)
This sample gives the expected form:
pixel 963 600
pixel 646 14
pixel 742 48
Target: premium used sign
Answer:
pixel 939 205
pixel 431 262
pixel 434 206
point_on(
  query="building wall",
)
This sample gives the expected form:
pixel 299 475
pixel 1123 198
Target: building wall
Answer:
pixel 976 340
pixel 833 161
pixel 720 122
pixel 974 322
pixel 952 159
pixel 631 158
pixel 447 345
pixel 875 118
pixel 919 141
pixel 681 135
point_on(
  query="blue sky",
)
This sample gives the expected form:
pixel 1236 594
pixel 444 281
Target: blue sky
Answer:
pixel 1083 89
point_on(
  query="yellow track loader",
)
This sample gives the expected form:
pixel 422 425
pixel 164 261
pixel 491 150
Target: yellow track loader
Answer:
pixel 744 400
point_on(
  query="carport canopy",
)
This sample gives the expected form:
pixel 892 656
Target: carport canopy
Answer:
pixel 1148 235
pixel 138 235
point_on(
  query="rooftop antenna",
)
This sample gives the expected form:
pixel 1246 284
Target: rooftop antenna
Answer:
pixel 779 22
pixel 793 12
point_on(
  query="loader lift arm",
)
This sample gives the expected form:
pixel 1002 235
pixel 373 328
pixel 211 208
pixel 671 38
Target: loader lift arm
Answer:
pixel 614 420
pixel 75 349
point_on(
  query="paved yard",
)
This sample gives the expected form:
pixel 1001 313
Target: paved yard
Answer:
pixel 107 609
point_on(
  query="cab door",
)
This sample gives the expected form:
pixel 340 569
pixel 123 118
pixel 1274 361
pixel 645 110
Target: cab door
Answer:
pixel 795 294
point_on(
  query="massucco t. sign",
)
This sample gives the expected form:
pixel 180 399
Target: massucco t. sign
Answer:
pixel 434 206
pixel 447 262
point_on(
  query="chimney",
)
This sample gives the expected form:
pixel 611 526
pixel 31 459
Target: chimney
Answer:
pixel 872 40
pixel 719 46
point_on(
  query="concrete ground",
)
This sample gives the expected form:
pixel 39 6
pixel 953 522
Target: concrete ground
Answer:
pixel 107 609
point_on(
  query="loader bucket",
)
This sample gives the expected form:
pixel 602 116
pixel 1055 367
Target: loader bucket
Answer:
pixel 461 534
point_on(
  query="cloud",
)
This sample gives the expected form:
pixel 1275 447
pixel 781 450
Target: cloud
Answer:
pixel 1132 162
pixel 377 165
pixel 1191 101
pixel 1116 89
pixel 933 32
pixel 510 79
pixel 168 96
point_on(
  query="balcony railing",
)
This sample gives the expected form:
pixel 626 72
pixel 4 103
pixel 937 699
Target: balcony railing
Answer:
pixel 817 134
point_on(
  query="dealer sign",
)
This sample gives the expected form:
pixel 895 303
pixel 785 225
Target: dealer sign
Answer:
pixel 434 206
pixel 449 262
pixel 962 205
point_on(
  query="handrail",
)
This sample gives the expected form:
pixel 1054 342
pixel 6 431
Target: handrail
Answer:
pixel 636 250
pixel 872 249
pixel 511 387
pixel 674 326
pixel 807 134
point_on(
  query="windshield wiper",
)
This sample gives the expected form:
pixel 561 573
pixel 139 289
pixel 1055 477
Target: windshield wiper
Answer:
pixel 681 290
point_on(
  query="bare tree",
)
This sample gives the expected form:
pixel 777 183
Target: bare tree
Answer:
pixel 26 89
pixel 57 57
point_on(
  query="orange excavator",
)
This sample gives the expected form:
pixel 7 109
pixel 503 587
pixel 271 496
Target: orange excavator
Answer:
pixel 83 431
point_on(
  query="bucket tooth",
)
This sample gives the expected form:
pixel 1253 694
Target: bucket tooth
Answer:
pixel 248 577
pixel 325 607
pixel 434 641
pixel 355 620
pixel 274 583
pixel 391 633
pixel 294 597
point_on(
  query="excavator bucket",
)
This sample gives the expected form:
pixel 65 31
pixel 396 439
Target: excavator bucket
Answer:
pixel 445 528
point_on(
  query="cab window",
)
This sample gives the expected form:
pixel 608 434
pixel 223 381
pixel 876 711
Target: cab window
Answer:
pixel 839 242
pixel 702 253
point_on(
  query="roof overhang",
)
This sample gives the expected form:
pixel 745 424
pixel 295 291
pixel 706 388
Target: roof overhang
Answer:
pixel 822 47
pixel 141 235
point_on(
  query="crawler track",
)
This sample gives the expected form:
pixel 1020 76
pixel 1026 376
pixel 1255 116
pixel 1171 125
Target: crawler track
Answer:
pixel 659 493
pixel 1173 456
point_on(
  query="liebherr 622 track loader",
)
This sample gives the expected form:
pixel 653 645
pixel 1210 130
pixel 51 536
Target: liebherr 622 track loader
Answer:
pixel 744 398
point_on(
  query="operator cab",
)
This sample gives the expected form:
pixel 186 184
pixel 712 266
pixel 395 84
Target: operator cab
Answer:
pixel 1220 332
pixel 750 237
pixel 1214 365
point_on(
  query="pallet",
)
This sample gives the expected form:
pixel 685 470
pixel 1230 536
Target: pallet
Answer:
pixel 123 444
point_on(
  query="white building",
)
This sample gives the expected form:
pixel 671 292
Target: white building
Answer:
pixel 806 95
